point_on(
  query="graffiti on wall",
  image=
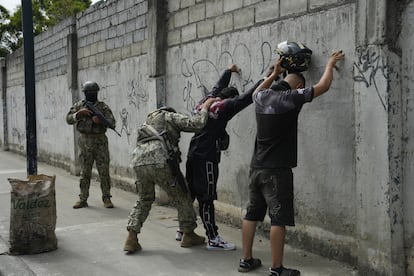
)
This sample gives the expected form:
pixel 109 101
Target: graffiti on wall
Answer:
pixel 17 104
pixel 124 115
pixel 369 66
pixel 18 134
pixel 137 94
pixel 201 74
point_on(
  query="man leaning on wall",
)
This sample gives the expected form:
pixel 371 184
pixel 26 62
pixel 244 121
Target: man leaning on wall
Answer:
pixel 275 154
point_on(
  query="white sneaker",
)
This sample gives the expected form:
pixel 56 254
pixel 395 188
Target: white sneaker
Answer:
pixel 178 235
pixel 219 244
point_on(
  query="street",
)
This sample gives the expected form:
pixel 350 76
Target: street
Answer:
pixel 90 240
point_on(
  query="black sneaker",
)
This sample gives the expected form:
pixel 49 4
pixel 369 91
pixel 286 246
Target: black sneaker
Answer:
pixel 247 265
pixel 285 272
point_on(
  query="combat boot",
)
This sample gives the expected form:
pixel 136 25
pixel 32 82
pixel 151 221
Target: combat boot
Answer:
pixel 80 204
pixel 108 203
pixel 131 244
pixel 191 239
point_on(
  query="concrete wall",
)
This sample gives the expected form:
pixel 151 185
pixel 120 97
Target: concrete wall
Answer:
pixel 52 94
pixel 3 118
pixel 112 50
pixel 406 43
pixel 355 153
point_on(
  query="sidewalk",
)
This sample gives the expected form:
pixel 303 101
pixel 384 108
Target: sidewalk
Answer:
pixel 90 240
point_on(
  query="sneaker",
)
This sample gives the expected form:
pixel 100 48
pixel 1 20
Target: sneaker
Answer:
pixel 284 272
pixel 247 265
pixel 80 204
pixel 219 244
pixel 108 203
pixel 178 235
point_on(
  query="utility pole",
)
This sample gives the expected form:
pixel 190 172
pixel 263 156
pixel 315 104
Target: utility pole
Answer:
pixel 29 87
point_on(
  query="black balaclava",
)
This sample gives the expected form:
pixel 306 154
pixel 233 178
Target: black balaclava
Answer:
pixel 91 96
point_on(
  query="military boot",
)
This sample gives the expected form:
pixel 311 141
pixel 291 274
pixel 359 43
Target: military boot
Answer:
pixel 108 203
pixel 80 204
pixel 191 239
pixel 131 244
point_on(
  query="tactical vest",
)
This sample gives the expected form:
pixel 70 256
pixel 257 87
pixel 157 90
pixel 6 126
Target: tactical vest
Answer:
pixel 157 120
pixel 87 126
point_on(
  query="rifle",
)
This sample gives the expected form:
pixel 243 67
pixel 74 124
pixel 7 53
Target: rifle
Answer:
pixel 173 158
pixel 101 117
pixel 174 163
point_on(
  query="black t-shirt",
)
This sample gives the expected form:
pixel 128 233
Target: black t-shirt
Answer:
pixel 277 111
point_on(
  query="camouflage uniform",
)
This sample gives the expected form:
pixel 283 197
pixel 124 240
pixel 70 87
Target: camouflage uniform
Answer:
pixel 151 168
pixel 93 146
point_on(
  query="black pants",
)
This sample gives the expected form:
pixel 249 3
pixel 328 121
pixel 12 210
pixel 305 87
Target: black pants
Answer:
pixel 202 178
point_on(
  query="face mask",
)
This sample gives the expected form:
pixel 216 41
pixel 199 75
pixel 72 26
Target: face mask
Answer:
pixel 91 96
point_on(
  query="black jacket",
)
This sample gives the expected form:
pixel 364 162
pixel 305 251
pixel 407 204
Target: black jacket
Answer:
pixel 203 144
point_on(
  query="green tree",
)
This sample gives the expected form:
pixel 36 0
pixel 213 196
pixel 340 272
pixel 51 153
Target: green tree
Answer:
pixel 4 19
pixel 46 13
pixel 57 10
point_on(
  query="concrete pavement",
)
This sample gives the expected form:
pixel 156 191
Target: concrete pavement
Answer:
pixel 90 240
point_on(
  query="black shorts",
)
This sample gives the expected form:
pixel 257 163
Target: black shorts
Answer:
pixel 271 190
pixel 202 178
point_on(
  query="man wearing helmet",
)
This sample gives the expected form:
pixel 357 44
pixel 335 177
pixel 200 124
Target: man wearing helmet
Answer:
pixel 275 154
pixel 93 143
pixel 296 57
pixel 156 148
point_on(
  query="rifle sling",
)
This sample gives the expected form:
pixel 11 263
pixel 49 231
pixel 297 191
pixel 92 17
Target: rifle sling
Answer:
pixel 158 136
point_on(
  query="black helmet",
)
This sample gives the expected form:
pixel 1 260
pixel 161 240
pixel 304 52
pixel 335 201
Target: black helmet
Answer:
pixel 296 56
pixel 90 86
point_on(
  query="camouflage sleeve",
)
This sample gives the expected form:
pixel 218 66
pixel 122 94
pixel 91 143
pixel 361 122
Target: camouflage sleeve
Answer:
pixel 70 118
pixel 107 112
pixel 188 123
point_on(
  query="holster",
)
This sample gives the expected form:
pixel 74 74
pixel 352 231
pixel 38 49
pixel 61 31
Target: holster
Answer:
pixel 177 174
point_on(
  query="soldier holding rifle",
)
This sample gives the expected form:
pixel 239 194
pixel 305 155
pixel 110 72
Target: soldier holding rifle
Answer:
pixel 92 123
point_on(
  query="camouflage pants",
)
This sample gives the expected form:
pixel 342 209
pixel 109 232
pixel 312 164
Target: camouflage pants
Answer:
pixel 147 177
pixel 94 148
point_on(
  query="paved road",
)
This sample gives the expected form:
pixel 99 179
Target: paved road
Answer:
pixel 90 240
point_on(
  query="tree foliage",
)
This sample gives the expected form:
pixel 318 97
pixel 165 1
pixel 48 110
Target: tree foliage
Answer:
pixel 4 17
pixel 57 10
pixel 46 13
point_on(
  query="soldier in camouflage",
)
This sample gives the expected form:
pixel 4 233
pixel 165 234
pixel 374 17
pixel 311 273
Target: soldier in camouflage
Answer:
pixel 93 143
pixel 150 162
